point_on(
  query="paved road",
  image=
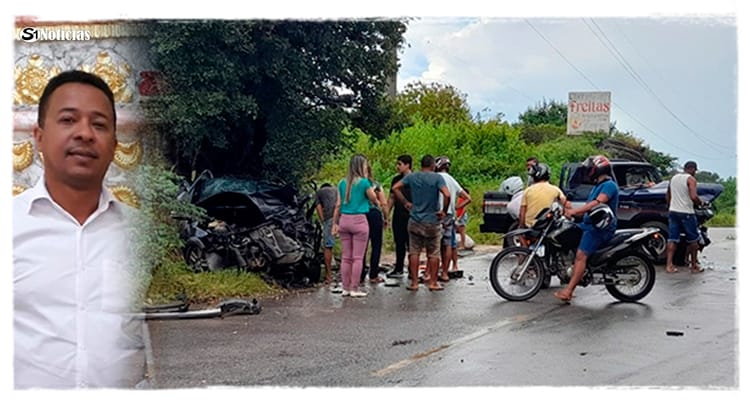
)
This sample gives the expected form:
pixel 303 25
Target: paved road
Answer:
pixel 469 336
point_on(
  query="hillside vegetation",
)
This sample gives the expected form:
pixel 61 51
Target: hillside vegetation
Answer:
pixel 484 154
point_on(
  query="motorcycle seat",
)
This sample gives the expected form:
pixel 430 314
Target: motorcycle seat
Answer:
pixel 620 236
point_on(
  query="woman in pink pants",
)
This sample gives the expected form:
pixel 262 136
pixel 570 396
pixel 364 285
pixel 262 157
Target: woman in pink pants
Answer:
pixel 350 222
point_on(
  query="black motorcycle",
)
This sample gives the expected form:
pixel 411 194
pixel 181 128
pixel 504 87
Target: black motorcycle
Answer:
pixel 702 214
pixel 623 266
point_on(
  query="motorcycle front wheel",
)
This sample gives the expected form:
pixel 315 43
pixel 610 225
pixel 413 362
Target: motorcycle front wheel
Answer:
pixel 634 276
pixel 504 274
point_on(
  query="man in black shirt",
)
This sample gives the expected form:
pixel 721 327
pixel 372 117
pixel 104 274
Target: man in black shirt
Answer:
pixel 400 216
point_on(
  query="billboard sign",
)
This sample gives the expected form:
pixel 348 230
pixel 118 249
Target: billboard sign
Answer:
pixel 588 112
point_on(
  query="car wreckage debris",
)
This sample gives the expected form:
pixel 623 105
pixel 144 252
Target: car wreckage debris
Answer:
pixel 179 310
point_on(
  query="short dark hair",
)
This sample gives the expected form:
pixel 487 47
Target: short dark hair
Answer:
pixel 691 165
pixel 532 159
pixel 405 159
pixel 73 76
pixel 428 161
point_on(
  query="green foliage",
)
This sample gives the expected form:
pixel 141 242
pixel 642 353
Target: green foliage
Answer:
pixel 173 280
pixel 157 242
pixel 158 233
pixel 537 134
pixel 723 220
pixel 482 155
pixel 265 98
pixel 546 113
pixel 625 145
pixel 566 149
pixel 435 103
pixel 478 152
pixel 726 203
pixel 708 177
pixel 380 117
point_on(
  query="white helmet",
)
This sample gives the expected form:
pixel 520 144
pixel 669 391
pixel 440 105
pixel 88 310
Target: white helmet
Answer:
pixel 512 185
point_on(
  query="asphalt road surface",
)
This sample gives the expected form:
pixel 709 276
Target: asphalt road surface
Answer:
pixel 684 334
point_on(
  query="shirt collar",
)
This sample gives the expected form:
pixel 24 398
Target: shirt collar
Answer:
pixel 39 191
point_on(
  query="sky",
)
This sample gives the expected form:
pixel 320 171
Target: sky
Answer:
pixel 673 80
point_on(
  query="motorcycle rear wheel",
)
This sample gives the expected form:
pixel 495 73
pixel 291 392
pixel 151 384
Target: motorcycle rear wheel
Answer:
pixel 505 264
pixel 635 276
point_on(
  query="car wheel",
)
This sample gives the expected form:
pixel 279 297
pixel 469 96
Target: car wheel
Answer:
pixel 510 241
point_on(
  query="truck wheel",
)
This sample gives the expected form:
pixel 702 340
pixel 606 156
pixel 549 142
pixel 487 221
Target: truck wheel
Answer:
pixel 660 242
pixel 512 240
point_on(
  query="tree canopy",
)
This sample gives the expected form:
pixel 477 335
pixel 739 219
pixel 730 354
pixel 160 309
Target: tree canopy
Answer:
pixel 266 98
pixel 546 112
pixel 435 103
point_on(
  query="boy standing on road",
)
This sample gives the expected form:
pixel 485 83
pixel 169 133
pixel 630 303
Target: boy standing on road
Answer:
pixel 325 200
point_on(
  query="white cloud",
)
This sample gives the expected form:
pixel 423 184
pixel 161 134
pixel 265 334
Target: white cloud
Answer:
pixel 506 65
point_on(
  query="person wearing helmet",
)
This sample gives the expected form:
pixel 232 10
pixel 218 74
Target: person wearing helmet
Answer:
pixel 513 186
pixel 595 232
pixel 538 196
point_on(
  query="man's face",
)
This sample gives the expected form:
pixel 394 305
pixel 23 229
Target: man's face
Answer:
pixel 78 137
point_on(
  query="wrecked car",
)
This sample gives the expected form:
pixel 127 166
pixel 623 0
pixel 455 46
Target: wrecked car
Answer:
pixel 252 225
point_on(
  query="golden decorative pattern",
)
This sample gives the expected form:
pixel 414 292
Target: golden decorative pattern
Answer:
pixel 18 189
pixel 128 155
pixel 106 30
pixel 126 195
pixel 31 80
pixel 115 75
pixel 23 155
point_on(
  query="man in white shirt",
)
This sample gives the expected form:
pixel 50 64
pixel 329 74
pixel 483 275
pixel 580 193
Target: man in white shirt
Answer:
pixel 442 167
pixel 74 286
pixel 682 197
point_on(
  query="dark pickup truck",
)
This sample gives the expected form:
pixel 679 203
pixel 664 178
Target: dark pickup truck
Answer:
pixel 642 203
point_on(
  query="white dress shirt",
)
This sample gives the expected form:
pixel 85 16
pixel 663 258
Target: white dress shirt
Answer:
pixel 73 288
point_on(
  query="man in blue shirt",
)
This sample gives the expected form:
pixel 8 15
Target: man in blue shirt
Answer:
pixel 425 216
pixel 604 192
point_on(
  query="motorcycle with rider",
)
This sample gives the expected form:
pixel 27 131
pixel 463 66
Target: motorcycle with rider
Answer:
pixel 599 254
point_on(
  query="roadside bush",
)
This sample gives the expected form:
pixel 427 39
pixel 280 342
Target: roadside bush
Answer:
pixel 159 248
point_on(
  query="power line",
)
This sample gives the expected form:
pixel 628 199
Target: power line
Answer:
pixel 561 54
pixel 666 141
pixel 615 104
pixel 634 74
